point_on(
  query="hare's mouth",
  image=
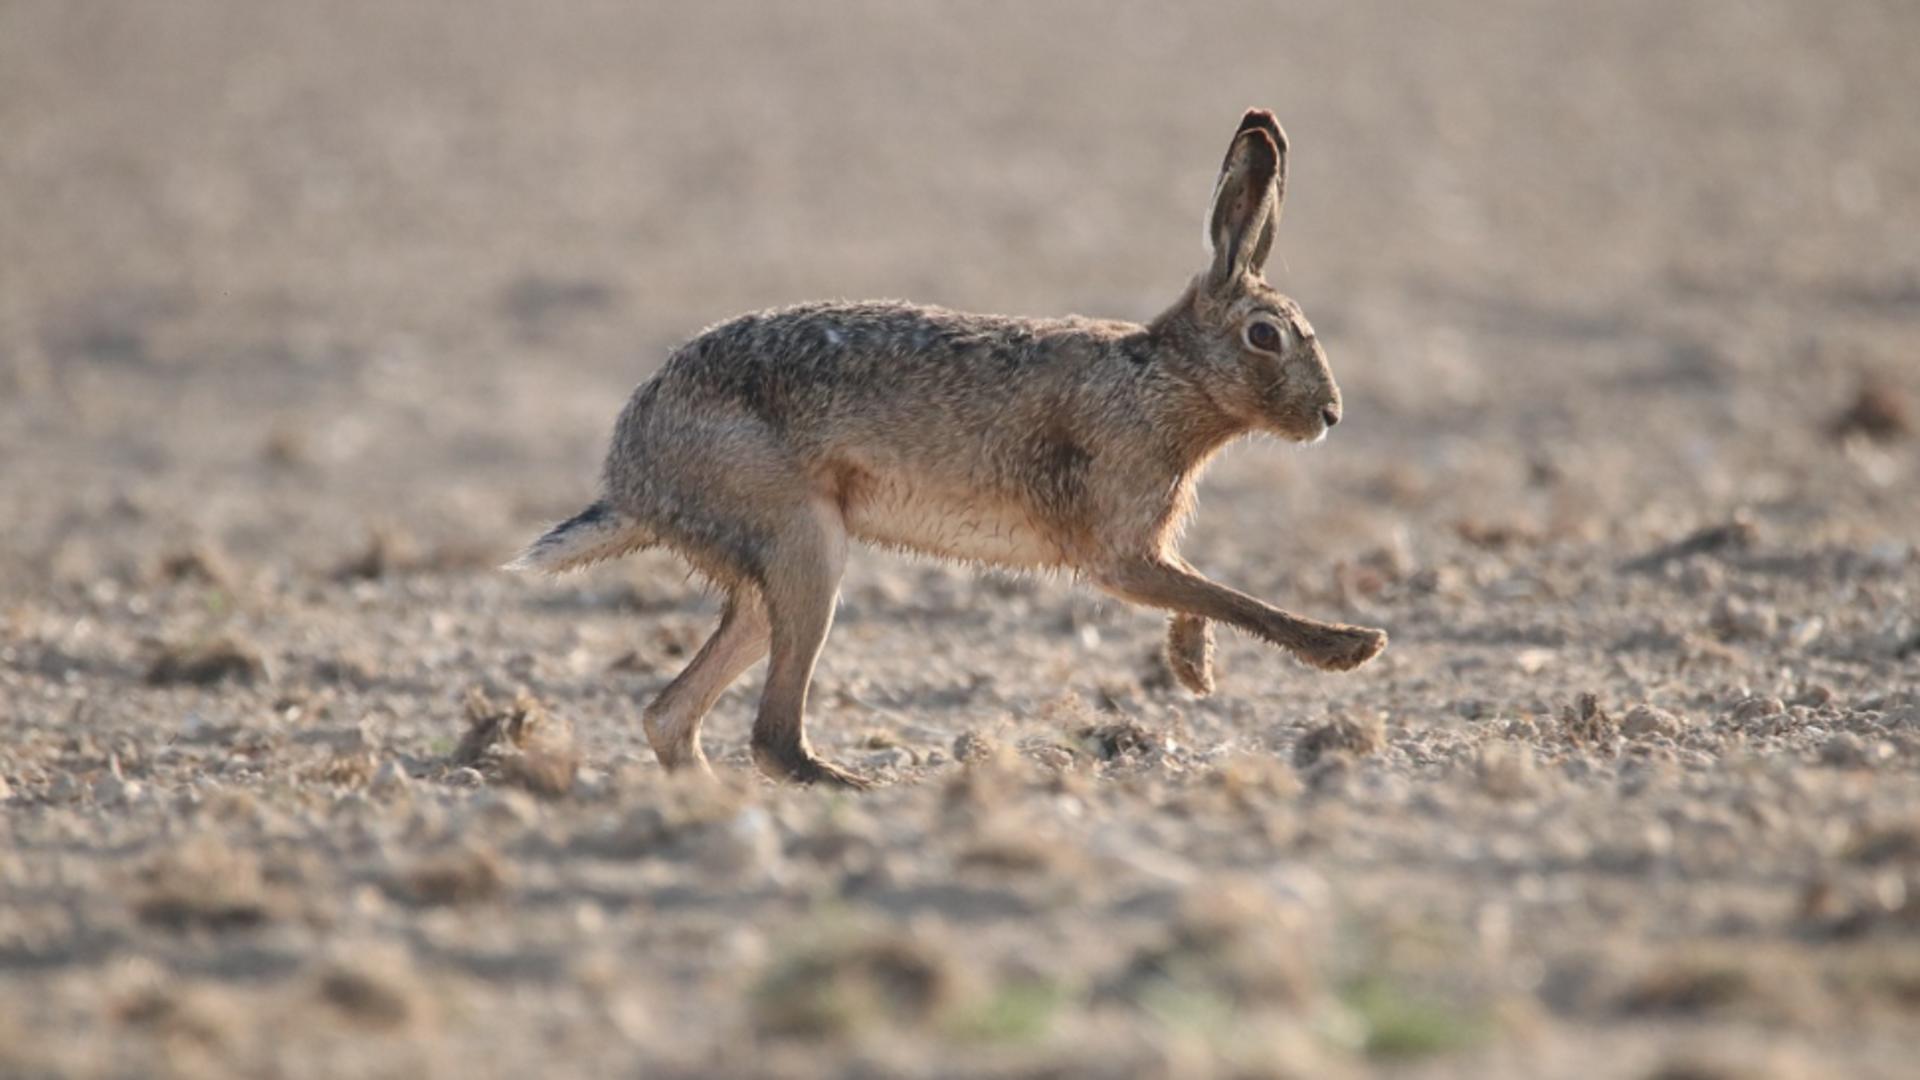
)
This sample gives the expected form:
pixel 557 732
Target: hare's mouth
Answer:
pixel 1297 428
pixel 1308 426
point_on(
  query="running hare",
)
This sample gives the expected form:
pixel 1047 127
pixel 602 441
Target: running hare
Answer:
pixel 767 443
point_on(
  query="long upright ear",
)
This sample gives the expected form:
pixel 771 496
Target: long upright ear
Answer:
pixel 1246 199
pixel 1264 120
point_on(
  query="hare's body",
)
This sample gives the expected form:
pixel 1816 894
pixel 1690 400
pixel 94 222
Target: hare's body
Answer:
pixel 983 438
pixel 768 443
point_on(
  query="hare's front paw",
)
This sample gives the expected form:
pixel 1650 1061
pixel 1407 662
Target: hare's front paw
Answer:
pixel 1190 652
pixel 1343 648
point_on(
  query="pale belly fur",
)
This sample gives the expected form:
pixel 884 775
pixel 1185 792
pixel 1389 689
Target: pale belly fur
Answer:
pixel 950 525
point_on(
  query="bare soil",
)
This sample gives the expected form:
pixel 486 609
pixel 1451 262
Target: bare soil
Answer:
pixel 310 314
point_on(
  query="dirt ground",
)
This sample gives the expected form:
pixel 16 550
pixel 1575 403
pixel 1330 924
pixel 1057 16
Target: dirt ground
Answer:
pixel 311 314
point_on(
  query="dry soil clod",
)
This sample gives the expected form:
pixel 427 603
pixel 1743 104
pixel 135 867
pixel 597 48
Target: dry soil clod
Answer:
pixel 1587 724
pixel 842 987
pixel 522 743
pixel 204 882
pixel 1356 736
pixel 1878 412
pixel 204 663
pixel 1735 534
pixel 461 875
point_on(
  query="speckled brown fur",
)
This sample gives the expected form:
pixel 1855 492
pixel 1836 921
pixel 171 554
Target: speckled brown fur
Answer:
pixel 769 442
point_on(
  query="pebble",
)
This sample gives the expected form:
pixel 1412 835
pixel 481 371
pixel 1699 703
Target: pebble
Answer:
pixel 971 747
pixel 390 779
pixel 1734 619
pixel 1507 770
pixel 1645 720
pixel 114 791
pixel 1758 707
pixel 1847 750
pixel 1805 632
pixel 747 844
pixel 466 777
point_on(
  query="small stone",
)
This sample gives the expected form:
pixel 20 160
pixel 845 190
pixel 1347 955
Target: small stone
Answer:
pixel 390 779
pixel 1507 771
pixel 1814 695
pixel 746 844
pixel 458 875
pixel 466 777
pixel 1758 707
pixel 1356 736
pixel 1805 632
pixel 375 990
pixel 969 747
pixel 1534 661
pixel 1734 619
pixel 114 791
pixel 1846 750
pixel 1645 720
pixel 1054 758
pixel 1879 412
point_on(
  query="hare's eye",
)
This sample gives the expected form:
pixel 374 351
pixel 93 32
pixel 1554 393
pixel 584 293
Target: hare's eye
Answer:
pixel 1263 336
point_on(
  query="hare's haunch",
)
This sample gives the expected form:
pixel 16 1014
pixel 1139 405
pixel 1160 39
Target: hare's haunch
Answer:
pixel 767 443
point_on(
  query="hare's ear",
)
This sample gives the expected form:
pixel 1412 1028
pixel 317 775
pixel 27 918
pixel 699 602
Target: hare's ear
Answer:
pixel 1246 200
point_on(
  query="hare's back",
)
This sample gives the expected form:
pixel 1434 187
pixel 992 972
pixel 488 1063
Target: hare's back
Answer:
pixel 825 372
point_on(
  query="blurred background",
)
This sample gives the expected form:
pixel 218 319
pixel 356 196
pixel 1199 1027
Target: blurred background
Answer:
pixel 312 313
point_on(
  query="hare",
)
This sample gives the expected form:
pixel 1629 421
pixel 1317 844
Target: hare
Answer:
pixel 768 443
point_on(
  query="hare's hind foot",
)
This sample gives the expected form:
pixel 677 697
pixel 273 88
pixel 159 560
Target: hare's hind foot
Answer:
pixel 1190 652
pixel 672 720
pixel 799 765
pixel 1340 648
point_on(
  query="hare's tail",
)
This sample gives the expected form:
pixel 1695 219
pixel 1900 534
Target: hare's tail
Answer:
pixel 593 535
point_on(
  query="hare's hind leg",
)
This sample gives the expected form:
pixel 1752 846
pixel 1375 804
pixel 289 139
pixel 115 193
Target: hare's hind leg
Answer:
pixel 800 582
pixel 673 719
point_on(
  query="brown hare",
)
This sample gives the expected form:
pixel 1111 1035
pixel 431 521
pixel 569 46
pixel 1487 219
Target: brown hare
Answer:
pixel 768 442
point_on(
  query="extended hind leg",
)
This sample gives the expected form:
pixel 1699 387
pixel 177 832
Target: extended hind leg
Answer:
pixel 801 584
pixel 672 720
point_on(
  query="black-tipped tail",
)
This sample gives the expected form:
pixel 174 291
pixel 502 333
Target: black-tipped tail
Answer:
pixel 593 535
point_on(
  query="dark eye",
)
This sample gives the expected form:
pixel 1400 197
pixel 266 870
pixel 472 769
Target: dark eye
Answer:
pixel 1263 336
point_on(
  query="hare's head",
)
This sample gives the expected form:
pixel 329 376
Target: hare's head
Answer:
pixel 1232 335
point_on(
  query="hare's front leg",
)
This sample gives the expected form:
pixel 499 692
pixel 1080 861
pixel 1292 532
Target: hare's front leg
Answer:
pixel 801 585
pixel 1168 583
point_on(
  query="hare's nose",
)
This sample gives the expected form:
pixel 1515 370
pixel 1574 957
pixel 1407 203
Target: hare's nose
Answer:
pixel 1331 414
